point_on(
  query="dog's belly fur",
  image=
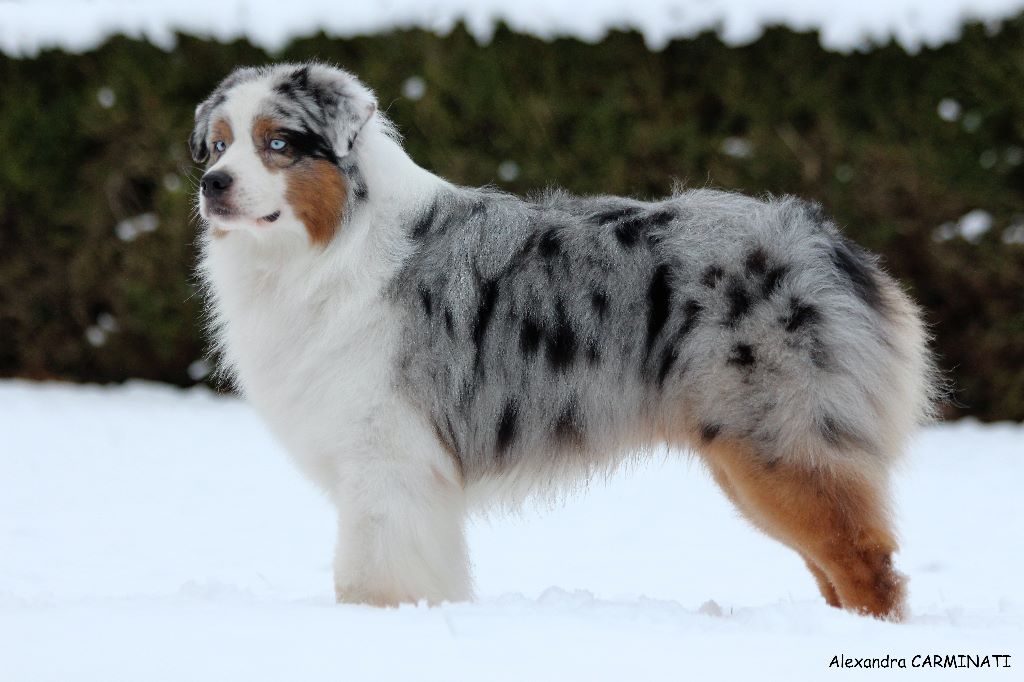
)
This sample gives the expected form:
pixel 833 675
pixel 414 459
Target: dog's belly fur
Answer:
pixel 551 335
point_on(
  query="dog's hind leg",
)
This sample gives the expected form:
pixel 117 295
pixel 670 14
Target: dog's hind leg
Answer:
pixel 836 520
pixel 825 586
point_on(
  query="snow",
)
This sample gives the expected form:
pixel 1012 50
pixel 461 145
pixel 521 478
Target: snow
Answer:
pixel 414 88
pixel 508 171
pixel 130 228
pixel 971 226
pixel 949 109
pixel 151 533
pixel 27 27
pixel 1014 234
pixel 737 147
pixel 974 224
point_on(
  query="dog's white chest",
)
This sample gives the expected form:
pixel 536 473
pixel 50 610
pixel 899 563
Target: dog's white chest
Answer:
pixel 313 361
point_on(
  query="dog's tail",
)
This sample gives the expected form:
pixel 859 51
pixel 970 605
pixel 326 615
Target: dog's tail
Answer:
pixel 829 361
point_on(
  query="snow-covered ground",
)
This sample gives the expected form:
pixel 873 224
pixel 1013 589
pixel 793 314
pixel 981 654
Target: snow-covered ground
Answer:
pixel 27 26
pixel 149 533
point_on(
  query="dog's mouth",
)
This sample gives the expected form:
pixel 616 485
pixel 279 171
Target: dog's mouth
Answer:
pixel 221 211
pixel 227 213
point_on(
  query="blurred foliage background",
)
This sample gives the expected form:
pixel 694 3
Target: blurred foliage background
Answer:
pixel 919 156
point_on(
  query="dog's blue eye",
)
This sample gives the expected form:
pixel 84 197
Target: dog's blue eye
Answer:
pixel 278 145
pixel 220 145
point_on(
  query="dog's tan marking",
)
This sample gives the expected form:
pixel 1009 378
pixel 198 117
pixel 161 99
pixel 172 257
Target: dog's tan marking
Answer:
pixel 316 192
pixel 264 129
pixel 220 131
pixel 836 520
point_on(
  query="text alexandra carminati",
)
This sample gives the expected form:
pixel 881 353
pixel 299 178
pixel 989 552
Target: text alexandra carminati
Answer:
pixel 924 661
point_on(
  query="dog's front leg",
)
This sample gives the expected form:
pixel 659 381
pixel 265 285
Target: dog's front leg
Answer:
pixel 400 534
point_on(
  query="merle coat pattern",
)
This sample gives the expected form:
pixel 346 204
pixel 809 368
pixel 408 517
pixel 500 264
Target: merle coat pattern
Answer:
pixel 419 347
pixel 547 328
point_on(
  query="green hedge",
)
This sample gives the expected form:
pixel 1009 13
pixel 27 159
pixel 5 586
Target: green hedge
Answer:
pixel 91 141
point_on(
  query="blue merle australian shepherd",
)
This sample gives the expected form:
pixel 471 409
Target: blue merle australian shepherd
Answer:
pixel 420 347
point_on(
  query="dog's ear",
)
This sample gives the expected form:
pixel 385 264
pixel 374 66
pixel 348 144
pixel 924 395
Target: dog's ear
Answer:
pixel 197 140
pixel 345 104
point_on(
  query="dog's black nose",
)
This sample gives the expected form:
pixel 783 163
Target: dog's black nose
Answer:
pixel 215 184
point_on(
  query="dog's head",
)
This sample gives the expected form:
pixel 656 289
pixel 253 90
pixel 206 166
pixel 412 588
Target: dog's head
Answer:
pixel 278 143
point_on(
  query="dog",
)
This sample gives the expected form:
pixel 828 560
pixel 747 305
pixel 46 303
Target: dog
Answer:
pixel 421 348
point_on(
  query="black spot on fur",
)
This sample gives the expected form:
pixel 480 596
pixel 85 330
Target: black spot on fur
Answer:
pixel 668 359
pixel 835 433
pixel 800 315
pixel 858 269
pixel 593 354
pixel 772 279
pixel 756 262
pixel 712 276
pixel 507 425
pixel 742 355
pixel 310 144
pixel 614 215
pixel 599 301
pixel 693 311
pixel 488 300
pixel 286 88
pixel 426 300
pixel 561 343
pixel 361 192
pixel 300 77
pixel 550 244
pixel 661 218
pixel 530 334
pixel 670 353
pixel 708 432
pixel 628 231
pixel 449 323
pixel 739 301
pixel 421 228
pixel 659 296
pixel 567 427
